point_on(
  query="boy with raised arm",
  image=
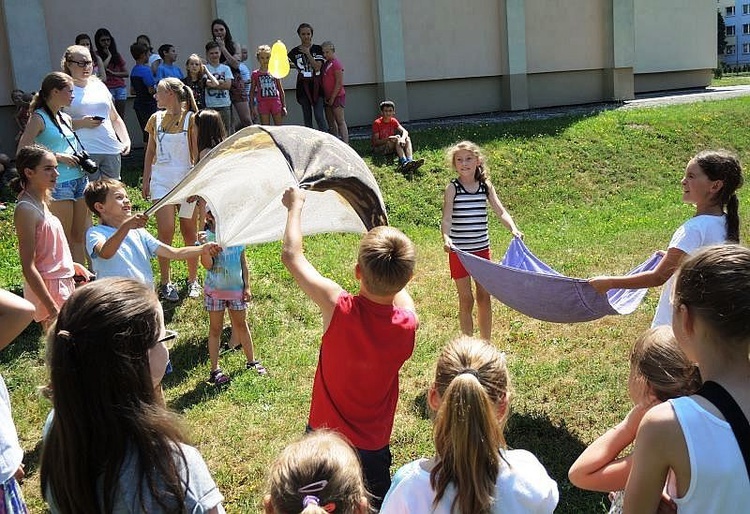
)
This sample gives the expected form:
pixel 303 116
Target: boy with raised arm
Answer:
pixel 367 337
pixel 120 246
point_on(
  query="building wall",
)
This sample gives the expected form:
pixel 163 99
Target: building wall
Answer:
pixel 435 57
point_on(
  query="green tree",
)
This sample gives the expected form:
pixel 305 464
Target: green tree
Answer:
pixel 721 33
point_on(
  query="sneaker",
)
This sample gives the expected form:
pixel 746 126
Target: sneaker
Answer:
pixel 415 165
pixel 194 289
pixel 217 377
pixel 168 292
pixel 257 366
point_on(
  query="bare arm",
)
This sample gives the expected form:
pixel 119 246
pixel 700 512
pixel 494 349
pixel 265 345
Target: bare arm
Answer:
pixel 501 211
pixel 210 79
pixel 185 252
pixel 148 161
pixel 33 128
pixel 108 248
pixel 246 293
pixel 15 315
pixel 598 468
pixel 120 129
pixel 26 219
pixel 653 278
pixel 448 196
pixel 282 96
pixel 659 446
pixel 339 76
pixel 101 71
pixel 321 290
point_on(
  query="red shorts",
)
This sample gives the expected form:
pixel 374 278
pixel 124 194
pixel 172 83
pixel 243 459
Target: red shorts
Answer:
pixel 270 105
pixel 457 269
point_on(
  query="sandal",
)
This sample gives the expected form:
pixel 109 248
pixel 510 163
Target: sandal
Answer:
pixel 257 366
pixel 218 377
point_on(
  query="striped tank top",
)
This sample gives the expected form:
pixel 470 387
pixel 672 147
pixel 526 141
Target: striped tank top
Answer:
pixel 469 220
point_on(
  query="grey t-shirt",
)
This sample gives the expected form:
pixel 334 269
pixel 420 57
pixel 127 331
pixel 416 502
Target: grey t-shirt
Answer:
pixel 201 493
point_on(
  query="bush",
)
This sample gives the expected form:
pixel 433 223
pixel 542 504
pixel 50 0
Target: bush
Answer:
pixel 718 73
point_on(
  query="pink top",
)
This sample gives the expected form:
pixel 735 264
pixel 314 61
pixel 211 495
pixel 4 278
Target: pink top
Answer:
pixel 52 256
pixel 329 78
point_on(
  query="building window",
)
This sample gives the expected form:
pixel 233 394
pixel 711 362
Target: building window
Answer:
pixel 729 11
pixel 745 8
pixel 746 28
pixel 746 48
pixel 729 50
pixel 730 30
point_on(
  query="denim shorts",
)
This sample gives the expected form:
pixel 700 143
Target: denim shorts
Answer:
pixel 70 190
pixel 119 93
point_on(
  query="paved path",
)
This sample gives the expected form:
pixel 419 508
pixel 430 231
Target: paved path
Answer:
pixel 641 101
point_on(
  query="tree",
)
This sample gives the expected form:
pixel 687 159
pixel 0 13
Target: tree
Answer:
pixel 721 32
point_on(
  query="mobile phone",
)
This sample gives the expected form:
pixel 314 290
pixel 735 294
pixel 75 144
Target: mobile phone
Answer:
pixel 98 118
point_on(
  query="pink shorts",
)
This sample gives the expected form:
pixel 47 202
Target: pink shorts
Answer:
pixel 59 288
pixel 339 101
pixel 269 106
pixel 457 269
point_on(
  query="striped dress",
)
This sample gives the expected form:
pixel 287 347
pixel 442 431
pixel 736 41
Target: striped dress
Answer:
pixel 469 219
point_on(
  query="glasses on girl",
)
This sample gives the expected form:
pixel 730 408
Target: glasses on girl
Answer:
pixel 81 64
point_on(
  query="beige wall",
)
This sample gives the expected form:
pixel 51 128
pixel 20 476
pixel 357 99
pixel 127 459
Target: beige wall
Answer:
pixel 568 35
pixel 443 39
pixel 673 35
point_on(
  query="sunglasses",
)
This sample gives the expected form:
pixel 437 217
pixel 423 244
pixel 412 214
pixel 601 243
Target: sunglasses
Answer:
pixel 81 64
pixel 169 335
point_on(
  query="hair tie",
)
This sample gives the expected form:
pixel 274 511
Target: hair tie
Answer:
pixel 314 500
pixel 65 335
pixel 470 371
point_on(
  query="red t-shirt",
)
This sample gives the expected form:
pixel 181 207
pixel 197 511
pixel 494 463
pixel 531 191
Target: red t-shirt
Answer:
pixel 356 383
pixel 383 129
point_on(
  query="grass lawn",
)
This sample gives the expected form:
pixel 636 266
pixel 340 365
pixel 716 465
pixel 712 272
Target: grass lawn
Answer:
pixel 735 79
pixel 593 194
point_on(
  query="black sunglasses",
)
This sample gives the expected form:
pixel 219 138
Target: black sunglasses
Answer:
pixel 82 64
pixel 168 336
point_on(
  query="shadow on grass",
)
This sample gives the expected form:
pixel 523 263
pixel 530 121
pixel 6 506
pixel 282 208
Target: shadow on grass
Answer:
pixel 31 460
pixel 554 445
pixel 557 448
pixel 29 342
pixel 198 394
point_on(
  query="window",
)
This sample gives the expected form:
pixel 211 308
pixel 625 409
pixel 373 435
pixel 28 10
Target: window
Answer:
pixel 745 8
pixel 746 48
pixel 729 11
pixel 729 50
pixel 730 30
pixel 746 28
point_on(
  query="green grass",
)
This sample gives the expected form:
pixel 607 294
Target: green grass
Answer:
pixel 593 194
pixel 734 79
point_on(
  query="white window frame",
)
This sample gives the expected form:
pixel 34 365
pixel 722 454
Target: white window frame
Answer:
pixel 729 10
pixel 729 50
pixel 746 48
pixel 730 30
pixel 745 9
pixel 746 28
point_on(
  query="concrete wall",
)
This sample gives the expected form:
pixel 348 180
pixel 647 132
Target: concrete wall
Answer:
pixel 434 57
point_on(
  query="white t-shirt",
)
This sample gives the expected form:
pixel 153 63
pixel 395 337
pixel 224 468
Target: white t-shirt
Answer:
pixel 524 487
pixel 699 231
pixel 219 97
pixel 11 453
pixel 95 100
pixel 132 259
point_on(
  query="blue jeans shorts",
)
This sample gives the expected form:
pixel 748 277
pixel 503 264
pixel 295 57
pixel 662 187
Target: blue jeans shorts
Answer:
pixel 70 190
pixel 119 93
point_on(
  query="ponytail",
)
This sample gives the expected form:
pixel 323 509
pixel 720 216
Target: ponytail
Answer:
pixel 468 438
pixel 733 219
pixel 189 98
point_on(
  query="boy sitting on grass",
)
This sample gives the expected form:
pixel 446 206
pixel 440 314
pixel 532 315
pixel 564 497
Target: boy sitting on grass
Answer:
pixel 389 136
pixel 119 246
pixel 366 339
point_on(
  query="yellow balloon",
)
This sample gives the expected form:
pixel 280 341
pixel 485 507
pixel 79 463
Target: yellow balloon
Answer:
pixel 278 66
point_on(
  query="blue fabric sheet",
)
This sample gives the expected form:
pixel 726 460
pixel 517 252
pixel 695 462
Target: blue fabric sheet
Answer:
pixel 525 283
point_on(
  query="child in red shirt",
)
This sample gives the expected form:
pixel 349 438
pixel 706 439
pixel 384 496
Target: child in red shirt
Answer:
pixel 389 136
pixel 366 339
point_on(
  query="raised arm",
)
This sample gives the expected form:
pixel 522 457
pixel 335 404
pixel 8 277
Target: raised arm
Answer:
pixel 321 290
pixel 108 248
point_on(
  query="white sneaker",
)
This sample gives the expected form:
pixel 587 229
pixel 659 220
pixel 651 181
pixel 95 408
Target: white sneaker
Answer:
pixel 194 289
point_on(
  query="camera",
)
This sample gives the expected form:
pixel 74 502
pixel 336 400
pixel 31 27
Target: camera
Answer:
pixel 86 163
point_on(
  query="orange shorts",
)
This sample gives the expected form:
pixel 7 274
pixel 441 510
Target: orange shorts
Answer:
pixel 457 269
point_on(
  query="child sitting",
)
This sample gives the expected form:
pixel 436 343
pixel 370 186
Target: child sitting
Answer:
pixel 227 287
pixel 389 136
pixel 317 474
pixel 120 246
pixel 366 339
pixel 659 371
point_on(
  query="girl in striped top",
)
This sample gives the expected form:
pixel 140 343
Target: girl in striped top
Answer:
pixel 464 226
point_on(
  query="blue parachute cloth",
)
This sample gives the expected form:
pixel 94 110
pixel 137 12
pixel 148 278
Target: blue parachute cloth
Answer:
pixel 525 283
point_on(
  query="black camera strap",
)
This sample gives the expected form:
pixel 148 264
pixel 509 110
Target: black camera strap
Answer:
pixel 62 120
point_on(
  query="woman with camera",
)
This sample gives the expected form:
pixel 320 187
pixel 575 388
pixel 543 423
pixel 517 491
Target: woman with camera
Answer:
pixel 52 128
pixel 95 119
